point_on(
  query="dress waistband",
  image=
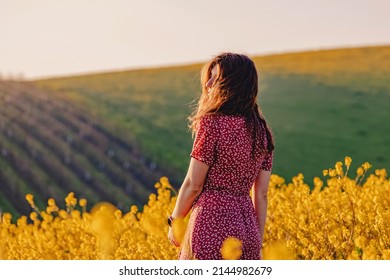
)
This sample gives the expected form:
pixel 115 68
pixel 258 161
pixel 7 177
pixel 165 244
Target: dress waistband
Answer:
pixel 224 191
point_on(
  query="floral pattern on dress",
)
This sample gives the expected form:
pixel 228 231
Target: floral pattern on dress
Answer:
pixel 224 208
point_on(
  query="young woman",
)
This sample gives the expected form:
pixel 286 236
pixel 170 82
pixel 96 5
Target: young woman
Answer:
pixel 232 153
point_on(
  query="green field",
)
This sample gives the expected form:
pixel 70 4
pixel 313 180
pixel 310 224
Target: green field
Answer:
pixel 321 106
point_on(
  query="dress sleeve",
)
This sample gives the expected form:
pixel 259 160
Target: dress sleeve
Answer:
pixel 266 165
pixel 204 148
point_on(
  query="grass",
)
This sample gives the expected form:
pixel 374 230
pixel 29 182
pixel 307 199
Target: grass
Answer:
pixel 321 105
pixel 316 124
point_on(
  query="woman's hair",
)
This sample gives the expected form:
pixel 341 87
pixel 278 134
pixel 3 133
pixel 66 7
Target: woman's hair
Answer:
pixel 234 93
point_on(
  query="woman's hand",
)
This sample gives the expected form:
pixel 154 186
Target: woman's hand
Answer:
pixel 189 191
pixel 171 238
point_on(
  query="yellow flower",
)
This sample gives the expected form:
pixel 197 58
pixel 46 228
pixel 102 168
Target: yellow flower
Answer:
pixel 339 168
pixel 30 199
pixel 51 202
pixel 386 254
pixel 118 214
pixel 332 173
pixel 231 248
pixel 141 234
pixel 369 253
pixel 133 209
pixel 347 161
pixel 52 208
pixel 33 216
pixel 277 250
pixel 317 182
pixel 381 173
pixel 366 166
pixel 332 238
pixel 63 214
pixel 7 218
pixel 360 241
pixel 325 172
pixel 179 228
pixel 83 202
pixel 102 224
pixel 70 200
pixel 360 171
pixel 164 181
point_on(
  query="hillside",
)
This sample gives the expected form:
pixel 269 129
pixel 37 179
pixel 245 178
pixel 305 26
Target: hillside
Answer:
pixel 112 135
pixel 322 105
pixel 49 148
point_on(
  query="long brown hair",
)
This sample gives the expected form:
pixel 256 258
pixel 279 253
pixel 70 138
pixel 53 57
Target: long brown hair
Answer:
pixel 235 93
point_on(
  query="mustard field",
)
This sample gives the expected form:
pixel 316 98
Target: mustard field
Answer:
pixel 345 215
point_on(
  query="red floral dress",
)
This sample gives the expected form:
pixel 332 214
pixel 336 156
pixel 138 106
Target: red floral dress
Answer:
pixel 224 208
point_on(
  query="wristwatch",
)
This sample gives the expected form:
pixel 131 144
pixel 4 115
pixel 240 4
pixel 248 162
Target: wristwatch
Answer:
pixel 170 221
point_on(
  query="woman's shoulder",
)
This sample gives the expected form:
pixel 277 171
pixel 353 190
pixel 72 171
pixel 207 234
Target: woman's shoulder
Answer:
pixel 208 121
pixel 220 117
pixel 219 121
pixel 229 121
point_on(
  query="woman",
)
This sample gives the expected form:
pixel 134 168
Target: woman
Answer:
pixel 232 153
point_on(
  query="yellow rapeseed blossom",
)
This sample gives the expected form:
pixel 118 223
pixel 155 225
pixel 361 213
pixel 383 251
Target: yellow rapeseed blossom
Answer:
pixel 30 199
pixel 317 183
pixel 83 202
pixel 51 206
pixel 51 209
pixel 179 227
pixel 70 200
pixel 33 216
pixel 231 248
pixel 381 173
pixel 366 166
pixel 102 225
pixel 339 168
pixel 347 161
pixel 332 172
pixel 386 254
pixel 133 209
pixel 278 250
pixel 340 218
pixel 51 202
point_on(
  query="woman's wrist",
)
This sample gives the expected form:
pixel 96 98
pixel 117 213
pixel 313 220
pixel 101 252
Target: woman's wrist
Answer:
pixel 170 221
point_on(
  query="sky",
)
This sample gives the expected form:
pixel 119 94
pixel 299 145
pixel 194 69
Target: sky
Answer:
pixel 48 38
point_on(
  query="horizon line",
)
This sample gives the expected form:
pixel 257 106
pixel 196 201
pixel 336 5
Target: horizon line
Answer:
pixel 193 63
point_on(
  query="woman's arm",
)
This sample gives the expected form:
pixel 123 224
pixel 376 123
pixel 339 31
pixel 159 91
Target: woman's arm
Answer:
pixel 260 199
pixel 189 191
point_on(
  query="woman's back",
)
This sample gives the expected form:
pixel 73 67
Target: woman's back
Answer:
pixel 225 144
pixel 224 209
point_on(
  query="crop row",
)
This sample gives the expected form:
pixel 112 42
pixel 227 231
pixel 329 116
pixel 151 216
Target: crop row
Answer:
pixel 56 149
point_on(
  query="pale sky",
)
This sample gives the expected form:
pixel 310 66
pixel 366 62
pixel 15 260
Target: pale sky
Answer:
pixel 44 38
